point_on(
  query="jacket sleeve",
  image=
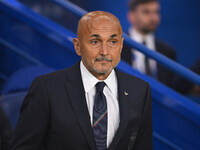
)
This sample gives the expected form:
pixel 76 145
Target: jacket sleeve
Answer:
pixel 144 137
pixel 34 117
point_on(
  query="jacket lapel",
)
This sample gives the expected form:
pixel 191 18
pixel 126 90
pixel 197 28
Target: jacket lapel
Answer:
pixel 76 92
pixel 123 108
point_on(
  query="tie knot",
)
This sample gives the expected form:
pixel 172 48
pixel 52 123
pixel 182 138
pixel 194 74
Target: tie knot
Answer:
pixel 100 86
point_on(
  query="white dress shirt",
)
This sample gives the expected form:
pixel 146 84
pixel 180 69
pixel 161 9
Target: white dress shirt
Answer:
pixel 110 91
pixel 139 58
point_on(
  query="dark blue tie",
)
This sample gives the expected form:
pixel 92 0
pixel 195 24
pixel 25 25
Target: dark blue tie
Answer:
pixel 100 117
pixel 147 63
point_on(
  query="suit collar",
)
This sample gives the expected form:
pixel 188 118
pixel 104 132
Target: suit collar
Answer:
pixel 75 90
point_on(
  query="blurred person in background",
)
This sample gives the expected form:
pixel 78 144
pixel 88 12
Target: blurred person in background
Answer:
pixel 184 86
pixel 144 18
pixel 5 131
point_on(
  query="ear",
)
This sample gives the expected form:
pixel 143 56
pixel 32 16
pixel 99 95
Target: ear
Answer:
pixel 77 46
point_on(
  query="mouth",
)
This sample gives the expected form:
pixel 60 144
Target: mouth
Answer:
pixel 103 60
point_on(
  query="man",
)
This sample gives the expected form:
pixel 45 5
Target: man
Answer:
pixel 144 17
pixel 5 131
pixel 92 105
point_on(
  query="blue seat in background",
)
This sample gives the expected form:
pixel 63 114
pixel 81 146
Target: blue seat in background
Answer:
pixel 21 79
pixel 11 105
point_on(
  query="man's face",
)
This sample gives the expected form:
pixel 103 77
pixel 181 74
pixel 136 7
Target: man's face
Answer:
pixel 146 17
pixel 100 45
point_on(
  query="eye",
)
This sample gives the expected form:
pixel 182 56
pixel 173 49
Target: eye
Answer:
pixel 113 42
pixel 94 42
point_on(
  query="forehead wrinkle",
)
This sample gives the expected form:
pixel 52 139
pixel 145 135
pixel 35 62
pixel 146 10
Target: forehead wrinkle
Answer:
pixel 86 23
pixel 99 36
pixel 107 27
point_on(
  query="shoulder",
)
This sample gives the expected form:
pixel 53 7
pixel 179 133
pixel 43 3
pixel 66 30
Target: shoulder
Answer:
pixel 53 78
pixel 162 43
pixel 165 49
pixel 58 77
pixel 196 67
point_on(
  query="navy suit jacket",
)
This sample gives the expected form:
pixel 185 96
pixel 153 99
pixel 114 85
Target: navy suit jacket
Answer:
pixel 54 114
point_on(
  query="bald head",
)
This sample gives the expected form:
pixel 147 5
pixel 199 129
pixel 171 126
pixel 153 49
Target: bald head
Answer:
pixel 95 17
pixel 99 42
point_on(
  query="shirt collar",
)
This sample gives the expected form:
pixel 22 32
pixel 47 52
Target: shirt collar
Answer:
pixel 89 81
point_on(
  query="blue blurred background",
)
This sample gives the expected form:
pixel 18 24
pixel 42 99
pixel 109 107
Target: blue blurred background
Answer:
pixel 36 38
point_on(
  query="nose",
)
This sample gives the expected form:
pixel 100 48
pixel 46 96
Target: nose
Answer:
pixel 104 49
